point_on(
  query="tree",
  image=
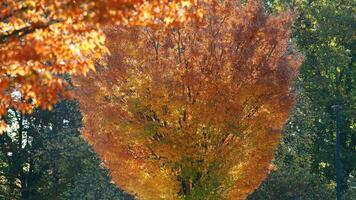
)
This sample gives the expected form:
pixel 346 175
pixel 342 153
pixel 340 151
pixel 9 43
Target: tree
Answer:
pixel 291 185
pixel 324 33
pixel 328 77
pixel 293 178
pixel 42 40
pixel 43 157
pixel 193 112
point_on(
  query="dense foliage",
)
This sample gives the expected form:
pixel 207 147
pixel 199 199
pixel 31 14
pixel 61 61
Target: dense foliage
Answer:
pixel 324 32
pixel 182 112
pixel 40 40
pixel 291 185
pixel 162 111
pixel 43 157
pixel 328 77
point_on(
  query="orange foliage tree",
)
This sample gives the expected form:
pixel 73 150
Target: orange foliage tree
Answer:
pixel 42 40
pixel 193 112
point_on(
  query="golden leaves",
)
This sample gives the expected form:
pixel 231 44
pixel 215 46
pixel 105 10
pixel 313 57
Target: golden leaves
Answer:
pixel 207 99
pixel 149 12
pixel 43 40
pixel 3 127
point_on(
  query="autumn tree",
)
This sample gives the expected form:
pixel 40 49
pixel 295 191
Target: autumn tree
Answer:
pixel 41 40
pixel 195 111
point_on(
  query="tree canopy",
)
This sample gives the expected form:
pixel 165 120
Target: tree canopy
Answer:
pixel 182 99
pixel 43 156
pixel 42 40
pixel 324 33
pixel 193 112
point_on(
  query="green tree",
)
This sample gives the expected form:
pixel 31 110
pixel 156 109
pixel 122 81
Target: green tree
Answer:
pixel 324 32
pixel 290 185
pixel 43 157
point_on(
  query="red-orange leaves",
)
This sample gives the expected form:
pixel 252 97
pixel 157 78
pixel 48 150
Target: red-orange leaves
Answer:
pixel 193 110
pixel 41 41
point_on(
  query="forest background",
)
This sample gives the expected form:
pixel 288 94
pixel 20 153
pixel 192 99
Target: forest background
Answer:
pixel 59 164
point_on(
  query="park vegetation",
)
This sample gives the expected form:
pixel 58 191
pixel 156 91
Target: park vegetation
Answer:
pixel 176 99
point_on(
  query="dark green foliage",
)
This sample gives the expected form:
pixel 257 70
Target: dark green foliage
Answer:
pixel 324 32
pixel 53 162
pixel 291 185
